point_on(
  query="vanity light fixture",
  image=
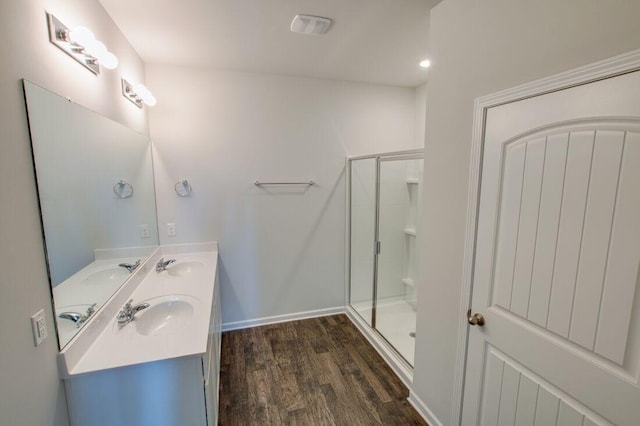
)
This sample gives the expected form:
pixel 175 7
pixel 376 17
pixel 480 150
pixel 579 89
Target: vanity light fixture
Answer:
pixel 425 63
pixel 138 94
pixel 81 45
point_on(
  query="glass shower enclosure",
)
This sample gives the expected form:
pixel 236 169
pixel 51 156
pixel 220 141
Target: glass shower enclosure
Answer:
pixel 385 200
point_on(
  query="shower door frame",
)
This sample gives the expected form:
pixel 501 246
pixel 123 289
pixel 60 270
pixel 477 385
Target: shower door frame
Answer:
pixel 412 154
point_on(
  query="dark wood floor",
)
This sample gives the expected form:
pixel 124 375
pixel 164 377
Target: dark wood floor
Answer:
pixel 320 371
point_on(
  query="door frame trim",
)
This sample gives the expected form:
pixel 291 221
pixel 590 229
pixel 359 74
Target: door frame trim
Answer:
pixel 611 67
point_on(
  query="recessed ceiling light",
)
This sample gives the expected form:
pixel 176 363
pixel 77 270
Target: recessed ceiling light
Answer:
pixel 425 63
pixel 308 24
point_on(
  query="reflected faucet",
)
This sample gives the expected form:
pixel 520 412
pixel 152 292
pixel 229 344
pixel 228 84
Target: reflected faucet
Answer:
pixel 78 318
pixel 130 266
pixel 162 265
pixel 128 312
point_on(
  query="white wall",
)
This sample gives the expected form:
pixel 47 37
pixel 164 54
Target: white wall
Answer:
pixel 394 200
pixel 281 250
pixel 420 98
pixel 478 48
pixel 30 393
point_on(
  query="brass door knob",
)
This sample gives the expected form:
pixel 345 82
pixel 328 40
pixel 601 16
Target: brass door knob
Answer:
pixel 475 319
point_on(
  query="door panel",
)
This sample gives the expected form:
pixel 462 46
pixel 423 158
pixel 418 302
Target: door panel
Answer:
pixel 557 259
pixel 621 280
pixel 527 226
pixel 516 396
pixel 510 218
pixel 569 234
pixel 548 223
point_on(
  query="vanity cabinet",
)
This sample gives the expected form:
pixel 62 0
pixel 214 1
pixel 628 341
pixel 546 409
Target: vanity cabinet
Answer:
pixel 181 391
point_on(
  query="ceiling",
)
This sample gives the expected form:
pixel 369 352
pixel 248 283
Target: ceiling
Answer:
pixel 373 41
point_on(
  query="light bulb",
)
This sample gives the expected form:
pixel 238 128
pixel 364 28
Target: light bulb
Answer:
pixel 425 63
pixel 108 60
pixel 81 36
pixel 141 90
pixel 144 94
pixel 151 100
pixel 96 49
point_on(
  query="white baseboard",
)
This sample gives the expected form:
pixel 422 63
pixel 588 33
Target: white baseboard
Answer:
pixel 256 322
pixel 423 410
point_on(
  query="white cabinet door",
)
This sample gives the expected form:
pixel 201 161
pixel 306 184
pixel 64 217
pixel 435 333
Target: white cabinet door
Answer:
pixel 557 261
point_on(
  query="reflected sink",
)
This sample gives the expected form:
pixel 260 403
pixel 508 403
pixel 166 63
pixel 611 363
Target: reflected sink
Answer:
pixel 183 269
pixel 107 276
pixel 166 315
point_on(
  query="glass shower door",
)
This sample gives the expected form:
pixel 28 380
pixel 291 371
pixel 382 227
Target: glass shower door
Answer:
pixel 362 241
pixel 396 274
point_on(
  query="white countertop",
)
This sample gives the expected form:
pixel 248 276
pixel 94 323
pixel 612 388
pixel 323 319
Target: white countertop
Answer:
pixel 105 345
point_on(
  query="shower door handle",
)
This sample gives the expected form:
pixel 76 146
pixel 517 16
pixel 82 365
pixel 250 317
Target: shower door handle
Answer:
pixel 377 248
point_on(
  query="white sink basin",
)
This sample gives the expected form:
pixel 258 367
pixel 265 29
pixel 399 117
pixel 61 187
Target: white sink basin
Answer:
pixel 183 269
pixel 166 315
pixel 107 276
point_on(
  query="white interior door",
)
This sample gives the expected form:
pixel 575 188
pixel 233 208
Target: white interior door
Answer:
pixel 557 261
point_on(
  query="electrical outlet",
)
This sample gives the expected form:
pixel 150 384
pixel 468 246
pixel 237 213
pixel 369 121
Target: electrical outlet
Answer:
pixel 39 327
pixel 144 231
pixel 171 229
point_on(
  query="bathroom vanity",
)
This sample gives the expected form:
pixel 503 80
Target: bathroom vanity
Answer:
pixel 162 367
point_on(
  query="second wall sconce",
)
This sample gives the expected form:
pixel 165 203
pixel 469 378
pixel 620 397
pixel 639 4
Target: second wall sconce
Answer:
pixel 138 94
pixel 81 45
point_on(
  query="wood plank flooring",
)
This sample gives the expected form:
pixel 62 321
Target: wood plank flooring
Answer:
pixel 319 371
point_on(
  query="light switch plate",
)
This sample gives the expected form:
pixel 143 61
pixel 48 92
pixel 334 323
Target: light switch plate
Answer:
pixel 144 231
pixel 39 327
pixel 171 229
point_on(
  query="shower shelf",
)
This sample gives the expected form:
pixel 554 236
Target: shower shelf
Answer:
pixel 407 281
pixel 410 231
pixel 413 181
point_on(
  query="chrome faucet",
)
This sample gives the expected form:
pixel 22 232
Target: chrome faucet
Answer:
pixel 78 318
pixel 130 266
pixel 162 264
pixel 128 312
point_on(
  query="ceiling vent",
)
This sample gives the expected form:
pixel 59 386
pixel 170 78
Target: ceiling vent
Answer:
pixel 307 24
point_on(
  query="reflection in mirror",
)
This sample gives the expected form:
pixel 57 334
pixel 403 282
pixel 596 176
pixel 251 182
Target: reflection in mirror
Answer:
pixel 97 203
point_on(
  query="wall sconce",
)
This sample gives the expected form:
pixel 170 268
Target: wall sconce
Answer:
pixel 138 94
pixel 81 45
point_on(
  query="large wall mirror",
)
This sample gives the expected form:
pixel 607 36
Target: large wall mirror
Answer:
pixel 97 203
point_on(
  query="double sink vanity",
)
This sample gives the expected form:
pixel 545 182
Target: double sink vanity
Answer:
pixel 158 364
